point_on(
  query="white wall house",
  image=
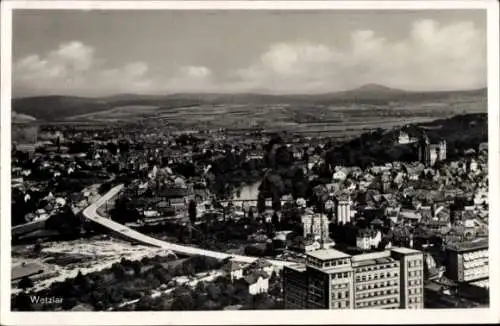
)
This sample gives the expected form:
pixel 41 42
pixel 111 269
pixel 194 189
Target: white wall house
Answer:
pixel 257 284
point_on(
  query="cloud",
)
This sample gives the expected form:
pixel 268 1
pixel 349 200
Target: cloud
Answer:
pixel 195 72
pixel 73 69
pixel 190 79
pixel 69 59
pixel 432 57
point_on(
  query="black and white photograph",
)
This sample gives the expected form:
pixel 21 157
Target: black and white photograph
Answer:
pixel 208 159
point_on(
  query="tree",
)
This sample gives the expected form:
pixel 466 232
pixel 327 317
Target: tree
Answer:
pixel 200 287
pixel 65 222
pixel 112 148
pixel 69 303
pixel 25 283
pixel 273 278
pixel 118 270
pixel 276 203
pixel 37 248
pixel 192 210
pixel 261 203
pixel 188 268
pixel 184 301
pixel 214 292
pixel 137 266
pixel 275 219
pixel 22 302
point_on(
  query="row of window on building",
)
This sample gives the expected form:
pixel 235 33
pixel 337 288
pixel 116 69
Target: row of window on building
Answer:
pixel 370 277
pixel 414 282
pixel 376 285
pixel 340 295
pixel 414 291
pixel 341 304
pixel 376 267
pixel 340 286
pixel 415 263
pixel 376 293
pixel 336 262
pixel 374 303
pixel 414 300
pixel 340 275
pixel 415 273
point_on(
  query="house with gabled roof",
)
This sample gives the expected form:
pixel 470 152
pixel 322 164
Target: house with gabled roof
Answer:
pixel 234 269
pixel 256 282
pixel 260 264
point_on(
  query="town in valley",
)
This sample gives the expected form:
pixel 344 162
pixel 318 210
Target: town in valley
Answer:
pixel 373 197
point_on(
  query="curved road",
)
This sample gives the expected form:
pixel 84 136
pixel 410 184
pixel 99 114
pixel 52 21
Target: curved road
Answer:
pixel 91 214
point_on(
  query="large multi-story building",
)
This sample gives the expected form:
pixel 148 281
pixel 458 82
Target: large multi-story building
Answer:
pixel 315 226
pixel 377 281
pixel 467 261
pixel 411 275
pixel 331 279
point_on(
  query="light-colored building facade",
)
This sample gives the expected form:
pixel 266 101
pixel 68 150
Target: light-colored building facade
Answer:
pixel 404 138
pixel 468 262
pixel 429 153
pixel 377 281
pixel 368 239
pixel 331 279
pixel 344 211
pixel 315 226
pixel 411 273
pixel 256 285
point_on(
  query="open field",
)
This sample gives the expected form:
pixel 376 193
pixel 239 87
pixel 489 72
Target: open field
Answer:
pixel 120 113
pixel 63 260
pixel 328 120
pixel 337 116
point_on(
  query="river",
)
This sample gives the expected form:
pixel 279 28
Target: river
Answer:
pixel 247 192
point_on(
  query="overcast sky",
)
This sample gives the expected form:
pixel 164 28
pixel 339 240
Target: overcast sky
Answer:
pixel 93 53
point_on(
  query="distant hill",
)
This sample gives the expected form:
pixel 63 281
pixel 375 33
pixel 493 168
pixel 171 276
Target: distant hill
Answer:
pixel 370 91
pixel 55 108
pixel 51 108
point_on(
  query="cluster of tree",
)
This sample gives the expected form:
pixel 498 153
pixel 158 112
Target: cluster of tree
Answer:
pixel 371 148
pixel 79 146
pixel 20 207
pixel 104 188
pixel 215 295
pixel 192 211
pixel 72 184
pixel 277 154
pixel 284 182
pixel 127 280
pixel 377 147
pixel 66 223
pixel 217 234
pixel 124 210
pixel 185 140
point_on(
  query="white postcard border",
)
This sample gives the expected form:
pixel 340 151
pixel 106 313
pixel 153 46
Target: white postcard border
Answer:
pixel 459 316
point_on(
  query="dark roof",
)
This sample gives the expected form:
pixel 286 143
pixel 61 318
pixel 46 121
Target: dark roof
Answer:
pixel 261 263
pixel 174 192
pixel 233 266
pixel 413 131
pixel 253 277
pixel 468 246
pixel 28 269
